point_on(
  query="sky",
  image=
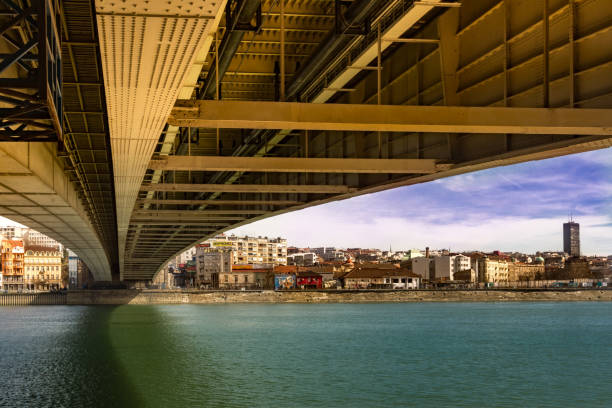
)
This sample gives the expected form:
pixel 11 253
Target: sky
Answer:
pixel 514 208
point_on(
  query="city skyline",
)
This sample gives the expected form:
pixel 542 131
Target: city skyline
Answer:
pixel 464 212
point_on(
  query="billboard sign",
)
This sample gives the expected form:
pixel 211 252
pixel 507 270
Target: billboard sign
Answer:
pixel 223 244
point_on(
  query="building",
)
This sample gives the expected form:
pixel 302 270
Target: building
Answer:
pixel 444 267
pixel 309 280
pixel 466 276
pixel 574 268
pixel 447 265
pixel 43 268
pixel 424 267
pixel 210 263
pixel 12 265
pixel 35 238
pixel 73 260
pixel 253 250
pixel 571 238
pixel 490 271
pixel 329 253
pixel 12 233
pixel 29 237
pixel 185 256
pixel 247 277
pixel 412 254
pixel 524 272
pixel 302 259
pixel 387 278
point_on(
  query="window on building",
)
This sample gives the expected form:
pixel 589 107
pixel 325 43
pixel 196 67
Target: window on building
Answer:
pixel 246 278
pixel 403 280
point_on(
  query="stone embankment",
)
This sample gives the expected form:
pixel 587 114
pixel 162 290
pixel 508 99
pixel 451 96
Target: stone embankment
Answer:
pixel 23 299
pixel 120 297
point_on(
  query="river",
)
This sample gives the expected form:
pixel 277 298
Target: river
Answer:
pixel 308 355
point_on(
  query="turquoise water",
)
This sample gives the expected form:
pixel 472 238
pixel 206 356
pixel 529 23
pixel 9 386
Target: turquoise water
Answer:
pixel 376 355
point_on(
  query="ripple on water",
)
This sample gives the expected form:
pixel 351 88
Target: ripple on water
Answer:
pixel 372 355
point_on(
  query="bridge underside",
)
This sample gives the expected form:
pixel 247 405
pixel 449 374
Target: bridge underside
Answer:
pixel 238 160
pixel 281 105
pixel 36 192
pixel 56 172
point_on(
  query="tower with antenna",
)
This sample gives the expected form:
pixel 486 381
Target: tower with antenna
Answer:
pixel 571 237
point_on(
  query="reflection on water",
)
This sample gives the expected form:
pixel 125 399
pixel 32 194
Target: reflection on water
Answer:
pixel 60 356
pixel 385 355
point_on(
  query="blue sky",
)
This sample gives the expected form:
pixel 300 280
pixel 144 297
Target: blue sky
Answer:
pixel 520 207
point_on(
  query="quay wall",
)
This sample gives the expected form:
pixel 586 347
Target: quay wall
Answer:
pixel 140 297
pixel 24 299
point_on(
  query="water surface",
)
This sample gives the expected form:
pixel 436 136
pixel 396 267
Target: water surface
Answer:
pixel 316 355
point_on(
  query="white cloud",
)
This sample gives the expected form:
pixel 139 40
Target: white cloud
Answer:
pixel 317 228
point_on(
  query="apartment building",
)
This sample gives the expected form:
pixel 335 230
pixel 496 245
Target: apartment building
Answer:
pixel 253 250
pixel 12 233
pixel 491 271
pixel 35 238
pixel 520 272
pixel 12 265
pixel 43 268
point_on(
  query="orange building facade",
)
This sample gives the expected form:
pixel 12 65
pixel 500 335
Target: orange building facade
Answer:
pixel 12 265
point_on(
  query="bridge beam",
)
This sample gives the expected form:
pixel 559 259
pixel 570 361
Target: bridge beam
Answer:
pixel 297 164
pixel 249 188
pixel 219 202
pixel 195 213
pixel 390 118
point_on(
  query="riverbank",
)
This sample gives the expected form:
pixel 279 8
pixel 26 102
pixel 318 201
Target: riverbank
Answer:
pixel 215 297
pixel 151 297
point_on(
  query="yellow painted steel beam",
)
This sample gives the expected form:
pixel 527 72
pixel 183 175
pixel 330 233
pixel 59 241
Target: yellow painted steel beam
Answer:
pixel 194 213
pixel 297 164
pixel 220 202
pixel 390 118
pixel 181 220
pixel 249 188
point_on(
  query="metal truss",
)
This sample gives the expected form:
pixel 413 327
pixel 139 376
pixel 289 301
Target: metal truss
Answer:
pixel 31 77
